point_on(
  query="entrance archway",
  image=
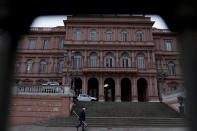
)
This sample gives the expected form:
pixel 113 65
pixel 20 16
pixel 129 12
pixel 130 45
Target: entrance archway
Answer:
pixel 77 85
pixel 109 91
pixel 142 90
pixel 93 87
pixel 125 90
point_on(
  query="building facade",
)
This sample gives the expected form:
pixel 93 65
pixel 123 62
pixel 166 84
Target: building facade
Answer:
pixel 134 61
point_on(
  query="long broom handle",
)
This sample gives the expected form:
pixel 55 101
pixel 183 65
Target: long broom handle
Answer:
pixel 77 116
pixel 75 113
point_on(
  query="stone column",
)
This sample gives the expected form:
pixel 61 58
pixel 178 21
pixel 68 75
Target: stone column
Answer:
pixel 153 60
pixel 162 63
pixel 56 43
pixel 156 99
pixel 117 90
pixel 85 60
pixel 133 34
pixel 133 59
pixel 87 34
pixel 134 90
pixel 149 90
pixel 160 91
pixel 72 33
pixel 38 43
pixel 22 68
pixel 117 59
pixel 116 34
pixel 84 87
pixel 102 35
pixel 64 79
pixel 101 89
pixel 67 33
pixel 101 60
pixel 50 69
pixel 99 34
pixel 55 68
pixel 148 64
pixel 36 65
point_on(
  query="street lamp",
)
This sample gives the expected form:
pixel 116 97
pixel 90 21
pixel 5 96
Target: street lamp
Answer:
pixel 162 74
pixel 74 75
pixel 181 101
pixel 68 62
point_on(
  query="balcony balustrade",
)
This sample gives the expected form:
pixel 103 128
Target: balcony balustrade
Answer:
pixel 110 69
pixel 39 90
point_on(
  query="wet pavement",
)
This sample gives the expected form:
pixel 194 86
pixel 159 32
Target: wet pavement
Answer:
pixel 43 128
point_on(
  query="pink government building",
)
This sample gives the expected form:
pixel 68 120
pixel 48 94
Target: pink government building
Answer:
pixel 134 61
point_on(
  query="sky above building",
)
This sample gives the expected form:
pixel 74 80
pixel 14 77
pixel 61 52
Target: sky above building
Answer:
pixel 53 21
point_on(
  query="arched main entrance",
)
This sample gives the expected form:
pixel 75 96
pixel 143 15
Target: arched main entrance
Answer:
pixel 125 90
pixel 93 87
pixel 77 86
pixel 142 90
pixel 109 91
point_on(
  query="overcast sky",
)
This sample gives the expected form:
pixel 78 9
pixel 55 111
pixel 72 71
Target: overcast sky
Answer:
pixel 52 21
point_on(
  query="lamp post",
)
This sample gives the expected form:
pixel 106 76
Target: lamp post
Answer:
pixel 181 101
pixel 162 74
pixel 74 75
pixel 68 62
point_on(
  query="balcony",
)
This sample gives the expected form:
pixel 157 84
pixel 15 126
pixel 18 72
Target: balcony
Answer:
pixel 40 29
pixel 48 29
pixel 44 75
pixel 160 30
pixel 111 70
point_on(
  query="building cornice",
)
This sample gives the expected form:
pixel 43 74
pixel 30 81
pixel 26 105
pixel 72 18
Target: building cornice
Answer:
pixel 108 20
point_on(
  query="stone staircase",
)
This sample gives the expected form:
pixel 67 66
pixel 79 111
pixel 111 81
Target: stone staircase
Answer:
pixel 121 114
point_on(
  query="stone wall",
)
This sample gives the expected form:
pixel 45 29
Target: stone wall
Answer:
pixel 32 109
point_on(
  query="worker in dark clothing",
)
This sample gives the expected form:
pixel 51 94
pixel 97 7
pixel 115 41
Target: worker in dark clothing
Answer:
pixel 81 119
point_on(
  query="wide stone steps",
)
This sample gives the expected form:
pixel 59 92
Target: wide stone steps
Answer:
pixel 116 122
pixel 126 109
pixel 121 114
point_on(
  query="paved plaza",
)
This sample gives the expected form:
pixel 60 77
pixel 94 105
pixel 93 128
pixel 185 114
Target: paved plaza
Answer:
pixel 43 128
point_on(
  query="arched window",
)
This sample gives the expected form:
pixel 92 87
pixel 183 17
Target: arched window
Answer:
pixel 78 35
pixel 124 35
pixel 139 35
pixel 93 60
pixel 77 61
pixel 31 44
pixel 171 68
pixel 140 61
pixel 108 35
pixel 125 61
pixel 60 66
pixel 93 35
pixel 29 66
pixel 16 67
pixel 109 60
pixel 42 67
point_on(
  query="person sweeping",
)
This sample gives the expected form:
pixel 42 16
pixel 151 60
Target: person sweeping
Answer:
pixel 82 120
